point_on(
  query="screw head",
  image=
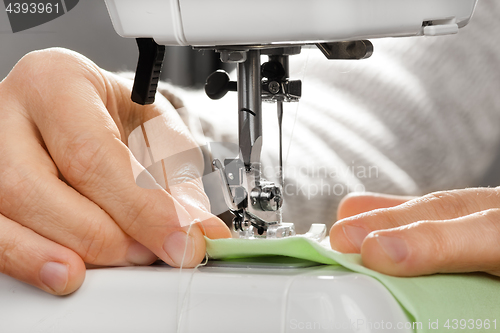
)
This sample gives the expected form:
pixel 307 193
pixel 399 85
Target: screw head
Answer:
pixel 274 87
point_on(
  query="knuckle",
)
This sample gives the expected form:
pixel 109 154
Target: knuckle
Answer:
pixel 18 188
pixel 184 173
pixel 492 218
pixel 449 202
pixel 148 213
pixel 439 247
pixel 388 217
pixel 8 249
pixel 139 212
pixel 93 243
pixel 42 62
pixel 185 165
pixel 81 159
pixel 46 59
pixel 194 189
pixel 43 68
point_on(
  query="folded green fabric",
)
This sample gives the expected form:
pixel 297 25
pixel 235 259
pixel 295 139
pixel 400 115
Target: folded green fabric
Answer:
pixel 442 297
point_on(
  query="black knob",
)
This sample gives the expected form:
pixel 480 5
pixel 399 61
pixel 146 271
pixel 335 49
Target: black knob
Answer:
pixel 218 84
pixel 273 70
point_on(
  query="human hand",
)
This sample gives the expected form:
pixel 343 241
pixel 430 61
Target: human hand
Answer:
pixel 442 232
pixel 66 122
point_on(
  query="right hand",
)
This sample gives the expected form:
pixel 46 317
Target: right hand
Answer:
pixel 67 191
pixel 455 231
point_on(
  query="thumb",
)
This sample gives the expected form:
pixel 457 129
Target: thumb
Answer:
pixel 361 202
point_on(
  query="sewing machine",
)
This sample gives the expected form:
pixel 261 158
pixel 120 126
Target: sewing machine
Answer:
pixel 276 29
pixel 245 296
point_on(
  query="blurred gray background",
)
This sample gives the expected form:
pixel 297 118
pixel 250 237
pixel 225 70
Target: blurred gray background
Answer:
pixel 87 29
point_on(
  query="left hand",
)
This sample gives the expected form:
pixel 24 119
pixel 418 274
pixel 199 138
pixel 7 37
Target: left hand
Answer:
pixel 68 191
pixel 442 232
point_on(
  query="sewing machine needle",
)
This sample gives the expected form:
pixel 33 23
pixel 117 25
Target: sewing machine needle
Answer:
pixel 281 175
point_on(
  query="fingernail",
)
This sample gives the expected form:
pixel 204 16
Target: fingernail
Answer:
pixel 175 245
pixel 138 254
pixel 395 248
pixel 355 235
pixel 55 276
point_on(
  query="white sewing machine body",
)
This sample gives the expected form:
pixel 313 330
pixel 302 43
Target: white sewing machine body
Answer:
pixel 242 297
pixel 278 298
pixel 260 22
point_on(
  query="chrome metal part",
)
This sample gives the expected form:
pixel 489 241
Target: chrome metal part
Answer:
pixel 257 212
pixel 281 174
pixel 228 195
pixel 266 197
pixel 316 232
pixel 353 50
pixel 281 230
pixel 233 56
pixel 250 109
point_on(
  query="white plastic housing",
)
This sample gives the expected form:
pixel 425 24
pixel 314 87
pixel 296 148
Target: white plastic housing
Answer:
pixel 256 22
pixel 219 299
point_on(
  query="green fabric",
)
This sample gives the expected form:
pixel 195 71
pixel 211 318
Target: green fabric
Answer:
pixel 435 297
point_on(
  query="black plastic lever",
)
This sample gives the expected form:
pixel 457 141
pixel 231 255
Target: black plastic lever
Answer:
pixel 148 71
pixel 218 84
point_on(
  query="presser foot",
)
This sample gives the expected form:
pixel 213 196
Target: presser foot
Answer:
pixel 317 232
pixel 250 226
pixel 274 231
pixel 265 199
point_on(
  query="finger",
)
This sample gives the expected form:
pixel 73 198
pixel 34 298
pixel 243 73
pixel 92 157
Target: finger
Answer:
pixel 361 202
pixel 210 225
pixel 348 234
pixel 466 244
pixel 179 168
pixel 85 143
pixel 186 191
pixel 33 259
pixel 32 195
